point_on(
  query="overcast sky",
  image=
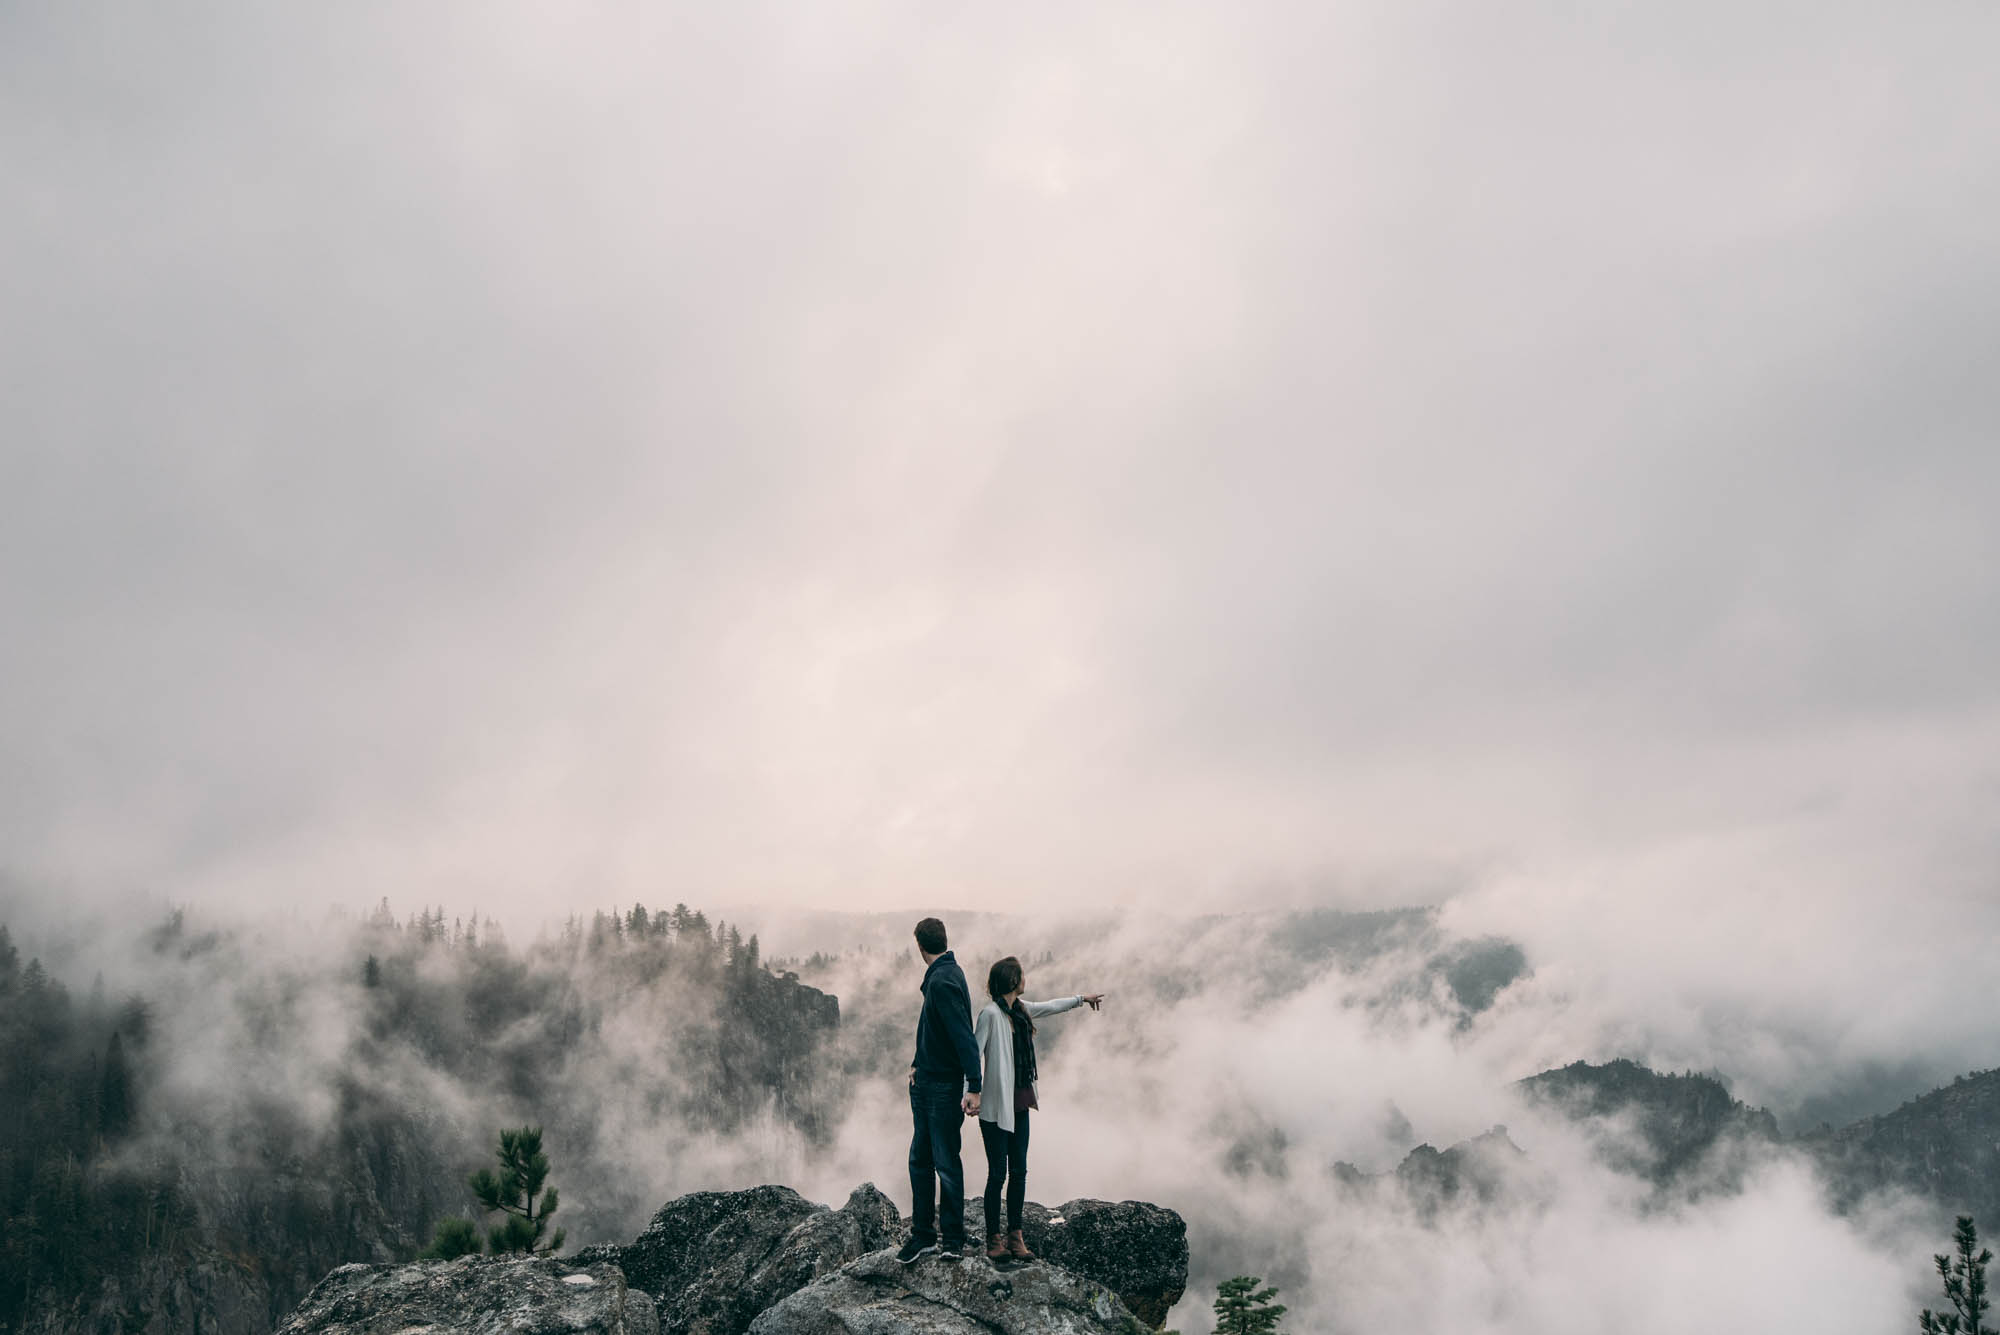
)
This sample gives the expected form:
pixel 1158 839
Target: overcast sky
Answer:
pixel 882 453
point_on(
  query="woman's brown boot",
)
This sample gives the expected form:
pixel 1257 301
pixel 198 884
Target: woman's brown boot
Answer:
pixel 1017 1247
pixel 996 1247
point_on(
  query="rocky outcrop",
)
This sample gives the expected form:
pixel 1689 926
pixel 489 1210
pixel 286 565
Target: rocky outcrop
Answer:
pixel 771 1262
pixel 880 1296
pixel 474 1295
pixel 714 1259
pixel 1138 1251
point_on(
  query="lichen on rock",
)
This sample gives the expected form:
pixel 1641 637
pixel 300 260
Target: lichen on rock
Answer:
pixel 474 1295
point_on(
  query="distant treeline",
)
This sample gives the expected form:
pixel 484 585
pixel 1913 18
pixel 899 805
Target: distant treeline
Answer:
pixel 636 926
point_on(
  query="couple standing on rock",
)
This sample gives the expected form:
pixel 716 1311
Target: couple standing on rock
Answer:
pixel 964 1069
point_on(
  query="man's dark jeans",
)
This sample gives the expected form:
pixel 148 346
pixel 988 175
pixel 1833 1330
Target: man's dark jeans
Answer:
pixel 938 1117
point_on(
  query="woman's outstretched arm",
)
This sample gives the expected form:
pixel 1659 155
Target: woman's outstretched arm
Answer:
pixel 1037 1009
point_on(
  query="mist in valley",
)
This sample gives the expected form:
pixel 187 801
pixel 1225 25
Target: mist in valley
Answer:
pixel 1267 1074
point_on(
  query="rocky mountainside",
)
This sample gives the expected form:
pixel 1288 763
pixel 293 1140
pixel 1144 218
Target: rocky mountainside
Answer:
pixel 770 1262
pixel 1944 1146
pixel 1686 1130
pixel 1655 1126
pixel 186 1289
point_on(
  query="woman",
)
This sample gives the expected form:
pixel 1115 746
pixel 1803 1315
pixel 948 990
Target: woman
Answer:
pixel 1005 1031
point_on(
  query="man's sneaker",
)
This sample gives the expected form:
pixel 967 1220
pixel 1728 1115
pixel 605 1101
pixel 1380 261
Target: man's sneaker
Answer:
pixel 913 1249
pixel 951 1251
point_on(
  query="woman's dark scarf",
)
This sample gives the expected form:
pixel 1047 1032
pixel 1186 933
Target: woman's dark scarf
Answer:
pixel 1024 1046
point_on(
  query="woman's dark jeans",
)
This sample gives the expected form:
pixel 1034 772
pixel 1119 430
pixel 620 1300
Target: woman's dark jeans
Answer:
pixel 1006 1161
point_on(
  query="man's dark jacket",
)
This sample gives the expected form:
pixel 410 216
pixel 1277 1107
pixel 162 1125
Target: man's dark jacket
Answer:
pixel 946 1049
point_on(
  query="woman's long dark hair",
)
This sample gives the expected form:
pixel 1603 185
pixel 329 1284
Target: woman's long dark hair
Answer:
pixel 1005 977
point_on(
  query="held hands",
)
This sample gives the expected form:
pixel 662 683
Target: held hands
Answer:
pixel 970 1103
pixel 1094 1000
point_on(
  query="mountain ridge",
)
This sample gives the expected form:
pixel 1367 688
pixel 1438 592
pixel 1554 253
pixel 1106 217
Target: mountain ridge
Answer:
pixel 1942 1146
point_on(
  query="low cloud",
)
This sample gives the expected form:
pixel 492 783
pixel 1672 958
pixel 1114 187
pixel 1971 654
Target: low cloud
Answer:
pixel 1155 456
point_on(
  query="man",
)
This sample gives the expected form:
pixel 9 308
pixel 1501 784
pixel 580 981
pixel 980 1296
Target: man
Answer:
pixel 944 1090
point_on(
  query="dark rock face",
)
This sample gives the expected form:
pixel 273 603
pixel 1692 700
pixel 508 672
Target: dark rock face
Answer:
pixel 262 1239
pixel 474 1295
pixel 761 1042
pixel 1138 1251
pixel 714 1259
pixel 878 1295
pixel 202 1293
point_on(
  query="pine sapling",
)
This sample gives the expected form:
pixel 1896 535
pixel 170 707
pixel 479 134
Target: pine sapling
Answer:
pixel 1964 1284
pixel 523 1171
pixel 1241 1308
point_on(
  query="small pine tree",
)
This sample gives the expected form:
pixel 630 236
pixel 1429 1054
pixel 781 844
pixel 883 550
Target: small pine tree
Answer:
pixel 454 1238
pixel 523 1170
pixel 371 972
pixel 1241 1308
pixel 1964 1284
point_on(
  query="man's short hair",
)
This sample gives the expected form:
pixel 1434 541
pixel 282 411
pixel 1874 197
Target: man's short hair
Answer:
pixel 930 936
